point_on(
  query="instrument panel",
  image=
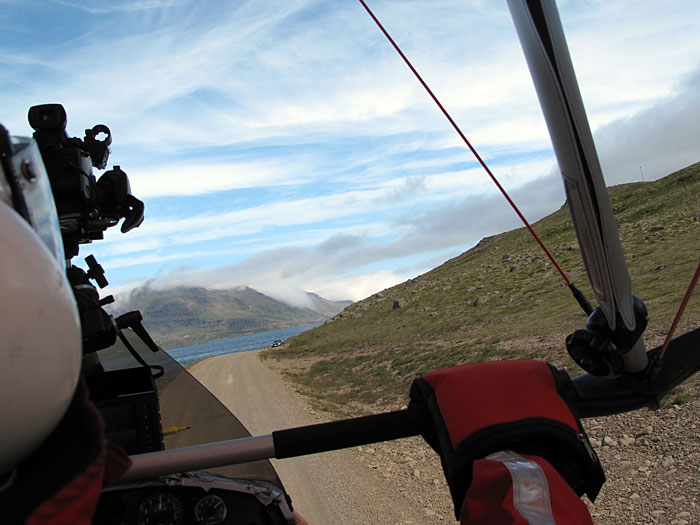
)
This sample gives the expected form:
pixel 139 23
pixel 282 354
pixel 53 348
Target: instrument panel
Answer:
pixel 193 499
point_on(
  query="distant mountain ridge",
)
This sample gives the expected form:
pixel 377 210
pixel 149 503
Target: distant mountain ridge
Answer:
pixel 190 315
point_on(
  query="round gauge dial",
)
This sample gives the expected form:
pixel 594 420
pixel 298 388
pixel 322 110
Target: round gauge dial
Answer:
pixel 160 508
pixel 210 510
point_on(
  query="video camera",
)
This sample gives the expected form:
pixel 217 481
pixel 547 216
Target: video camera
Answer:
pixel 86 206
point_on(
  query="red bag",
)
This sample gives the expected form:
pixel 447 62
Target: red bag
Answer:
pixel 470 411
pixel 508 488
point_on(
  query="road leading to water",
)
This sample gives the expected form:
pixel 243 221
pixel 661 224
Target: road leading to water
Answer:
pixel 330 488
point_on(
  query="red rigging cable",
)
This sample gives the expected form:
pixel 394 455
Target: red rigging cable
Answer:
pixel 577 293
pixel 681 309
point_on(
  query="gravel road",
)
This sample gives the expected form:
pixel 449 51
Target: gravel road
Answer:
pixel 651 459
pixel 348 486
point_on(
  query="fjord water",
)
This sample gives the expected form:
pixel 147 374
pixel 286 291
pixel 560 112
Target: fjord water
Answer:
pixel 189 354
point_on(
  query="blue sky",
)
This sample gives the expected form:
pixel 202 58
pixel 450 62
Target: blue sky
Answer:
pixel 285 146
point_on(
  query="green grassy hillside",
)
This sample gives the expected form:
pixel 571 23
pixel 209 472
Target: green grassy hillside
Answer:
pixel 501 299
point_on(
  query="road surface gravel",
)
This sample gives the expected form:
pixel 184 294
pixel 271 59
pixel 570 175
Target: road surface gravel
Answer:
pixel 341 487
pixel 651 458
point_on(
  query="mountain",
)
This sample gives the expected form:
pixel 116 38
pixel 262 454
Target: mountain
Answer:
pixel 184 316
pixel 501 299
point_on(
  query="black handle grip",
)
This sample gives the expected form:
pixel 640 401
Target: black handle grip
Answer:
pixel 342 434
pixel 592 396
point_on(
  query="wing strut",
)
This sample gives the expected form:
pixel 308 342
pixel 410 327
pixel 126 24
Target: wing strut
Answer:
pixel 620 317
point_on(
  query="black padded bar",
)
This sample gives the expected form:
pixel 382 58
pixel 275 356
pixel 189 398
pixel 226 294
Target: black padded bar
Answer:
pixel 343 434
pixel 592 397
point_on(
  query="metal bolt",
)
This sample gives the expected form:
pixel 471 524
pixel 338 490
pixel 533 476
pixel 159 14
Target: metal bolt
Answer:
pixel 28 171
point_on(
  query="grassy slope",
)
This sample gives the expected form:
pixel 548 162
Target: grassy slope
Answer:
pixel 366 357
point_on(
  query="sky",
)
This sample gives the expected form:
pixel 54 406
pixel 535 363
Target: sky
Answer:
pixel 286 147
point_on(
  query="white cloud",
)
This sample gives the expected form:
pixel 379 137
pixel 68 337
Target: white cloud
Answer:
pixel 106 7
pixel 150 258
pixel 357 287
pixel 311 213
pixel 660 139
pixel 280 94
pixel 197 177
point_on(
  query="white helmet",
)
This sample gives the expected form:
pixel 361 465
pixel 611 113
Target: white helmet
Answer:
pixel 40 339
